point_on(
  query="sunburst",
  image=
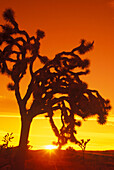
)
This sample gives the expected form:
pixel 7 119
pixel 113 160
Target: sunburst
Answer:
pixel 50 147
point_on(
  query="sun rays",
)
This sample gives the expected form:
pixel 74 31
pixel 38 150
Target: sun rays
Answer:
pixel 50 147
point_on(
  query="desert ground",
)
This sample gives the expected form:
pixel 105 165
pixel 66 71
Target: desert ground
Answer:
pixel 60 160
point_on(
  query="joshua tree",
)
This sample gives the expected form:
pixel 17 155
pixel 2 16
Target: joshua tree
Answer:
pixel 14 61
pixel 71 95
pixel 83 144
pixel 54 87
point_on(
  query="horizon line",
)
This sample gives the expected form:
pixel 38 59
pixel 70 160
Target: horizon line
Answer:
pixel 109 118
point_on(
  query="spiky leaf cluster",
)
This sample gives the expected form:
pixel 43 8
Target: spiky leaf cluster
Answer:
pixel 18 42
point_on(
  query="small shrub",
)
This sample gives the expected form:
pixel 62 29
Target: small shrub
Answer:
pixel 70 149
pixel 29 146
pixel 83 144
pixel 6 139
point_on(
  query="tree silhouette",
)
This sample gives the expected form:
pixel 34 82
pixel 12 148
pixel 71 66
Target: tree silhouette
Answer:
pixel 71 96
pixel 54 87
pixel 14 61
pixel 82 145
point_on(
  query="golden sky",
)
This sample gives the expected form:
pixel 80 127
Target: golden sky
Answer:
pixel 65 22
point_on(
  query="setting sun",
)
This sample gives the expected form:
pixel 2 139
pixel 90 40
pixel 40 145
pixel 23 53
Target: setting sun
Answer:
pixel 57 19
pixel 56 84
pixel 50 147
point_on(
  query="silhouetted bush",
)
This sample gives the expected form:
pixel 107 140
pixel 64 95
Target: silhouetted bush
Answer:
pixel 83 144
pixel 7 139
pixel 70 149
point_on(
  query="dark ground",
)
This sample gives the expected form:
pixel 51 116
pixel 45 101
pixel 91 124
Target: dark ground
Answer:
pixel 60 160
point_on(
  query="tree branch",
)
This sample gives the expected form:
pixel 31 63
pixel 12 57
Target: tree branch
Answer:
pixel 29 92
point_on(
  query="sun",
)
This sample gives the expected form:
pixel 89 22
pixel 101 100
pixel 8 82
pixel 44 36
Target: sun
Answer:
pixel 50 147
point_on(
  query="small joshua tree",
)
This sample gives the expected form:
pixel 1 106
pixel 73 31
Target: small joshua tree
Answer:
pixel 82 145
pixel 6 139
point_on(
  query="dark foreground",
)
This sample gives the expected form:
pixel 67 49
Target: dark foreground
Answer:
pixel 60 160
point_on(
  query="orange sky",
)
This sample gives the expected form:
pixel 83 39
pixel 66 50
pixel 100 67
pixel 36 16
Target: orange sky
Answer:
pixel 65 22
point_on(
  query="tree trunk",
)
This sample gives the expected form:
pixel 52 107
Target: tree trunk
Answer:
pixel 25 127
pixel 21 152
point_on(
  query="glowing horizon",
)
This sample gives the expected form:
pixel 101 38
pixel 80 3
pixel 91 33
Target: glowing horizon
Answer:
pixel 40 138
pixel 109 118
pixel 65 23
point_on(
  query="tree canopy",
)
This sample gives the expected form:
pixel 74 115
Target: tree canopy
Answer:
pixel 55 87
